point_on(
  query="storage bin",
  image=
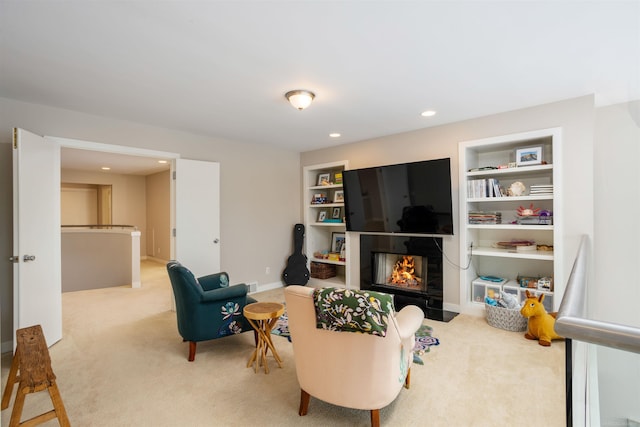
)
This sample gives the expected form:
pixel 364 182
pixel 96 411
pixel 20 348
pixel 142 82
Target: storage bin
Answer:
pixel 505 318
pixel 320 270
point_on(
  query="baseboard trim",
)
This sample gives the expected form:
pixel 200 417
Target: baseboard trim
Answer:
pixel 6 347
pixel 269 286
pixel 154 259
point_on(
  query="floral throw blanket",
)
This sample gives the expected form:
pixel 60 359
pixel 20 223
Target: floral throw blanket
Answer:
pixel 353 310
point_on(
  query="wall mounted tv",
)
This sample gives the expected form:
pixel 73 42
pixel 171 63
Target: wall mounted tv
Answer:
pixel 412 198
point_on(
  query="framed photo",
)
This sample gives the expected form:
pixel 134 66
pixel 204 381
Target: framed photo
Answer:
pixel 338 196
pixel 323 178
pixel 337 241
pixel 322 215
pixel 336 213
pixel 337 178
pixel 528 156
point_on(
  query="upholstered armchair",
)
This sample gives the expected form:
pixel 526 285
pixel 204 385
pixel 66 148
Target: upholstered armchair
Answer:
pixel 207 307
pixel 359 370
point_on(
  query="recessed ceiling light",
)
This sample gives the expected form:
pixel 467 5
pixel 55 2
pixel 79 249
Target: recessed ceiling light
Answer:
pixel 105 168
pixel 162 161
pixel 428 113
pixel 335 135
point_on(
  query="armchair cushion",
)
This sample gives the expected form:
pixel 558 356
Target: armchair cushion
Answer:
pixel 214 281
pixel 353 310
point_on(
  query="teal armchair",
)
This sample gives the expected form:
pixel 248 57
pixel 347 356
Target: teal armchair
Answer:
pixel 207 307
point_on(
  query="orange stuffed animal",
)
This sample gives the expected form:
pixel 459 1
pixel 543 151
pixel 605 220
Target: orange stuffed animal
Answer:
pixel 541 324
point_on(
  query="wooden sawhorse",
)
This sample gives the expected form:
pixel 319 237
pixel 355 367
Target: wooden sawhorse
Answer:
pixel 31 369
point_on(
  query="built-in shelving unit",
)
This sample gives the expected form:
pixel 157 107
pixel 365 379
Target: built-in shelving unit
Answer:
pixel 482 244
pixel 319 233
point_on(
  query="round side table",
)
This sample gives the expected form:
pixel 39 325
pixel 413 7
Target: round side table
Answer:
pixel 263 317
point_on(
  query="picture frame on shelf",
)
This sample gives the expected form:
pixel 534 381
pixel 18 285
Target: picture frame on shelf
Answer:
pixel 336 213
pixel 528 156
pixel 337 178
pixel 322 215
pixel 337 241
pixel 323 178
pixel 338 196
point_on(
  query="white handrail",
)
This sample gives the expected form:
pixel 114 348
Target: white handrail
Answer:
pixel 572 321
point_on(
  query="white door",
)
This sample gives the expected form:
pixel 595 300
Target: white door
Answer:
pixel 37 297
pixel 197 215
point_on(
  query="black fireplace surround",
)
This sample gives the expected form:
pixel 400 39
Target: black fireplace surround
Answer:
pixel 426 250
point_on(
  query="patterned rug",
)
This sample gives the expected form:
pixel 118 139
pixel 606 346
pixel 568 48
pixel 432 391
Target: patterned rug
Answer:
pixel 424 338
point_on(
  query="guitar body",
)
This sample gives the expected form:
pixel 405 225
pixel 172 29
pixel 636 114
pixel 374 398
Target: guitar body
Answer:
pixel 296 272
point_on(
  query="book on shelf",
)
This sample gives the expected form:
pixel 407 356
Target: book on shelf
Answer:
pixel 488 187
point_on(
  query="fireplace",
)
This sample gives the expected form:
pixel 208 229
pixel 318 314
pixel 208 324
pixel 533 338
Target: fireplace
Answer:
pixel 408 267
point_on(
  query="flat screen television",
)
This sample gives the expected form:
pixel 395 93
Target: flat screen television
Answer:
pixel 410 198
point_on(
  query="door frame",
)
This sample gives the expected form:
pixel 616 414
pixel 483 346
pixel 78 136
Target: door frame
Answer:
pixel 130 151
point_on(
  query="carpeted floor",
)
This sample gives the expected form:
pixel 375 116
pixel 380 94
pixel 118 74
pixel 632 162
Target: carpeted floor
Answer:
pixel 122 363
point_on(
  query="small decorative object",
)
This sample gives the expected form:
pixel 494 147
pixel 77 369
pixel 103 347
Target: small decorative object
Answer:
pixel 338 196
pixel 323 179
pixel 319 198
pixel 516 189
pixel 322 215
pixel 530 211
pixel 541 324
pixel 528 282
pixel 545 283
pixel 529 156
pixel 548 248
pixel 337 241
pixel 545 217
pixel 513 244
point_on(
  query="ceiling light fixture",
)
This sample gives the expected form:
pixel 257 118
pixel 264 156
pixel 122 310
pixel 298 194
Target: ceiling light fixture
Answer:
pixel 300 98
pixel 428 113
pixel 105 168
pixel 334 135
pixel 162 161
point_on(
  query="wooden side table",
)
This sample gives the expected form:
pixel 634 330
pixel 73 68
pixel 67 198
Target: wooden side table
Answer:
pixel 263 317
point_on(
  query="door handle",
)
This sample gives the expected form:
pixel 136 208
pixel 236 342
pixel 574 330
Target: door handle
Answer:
pixel 27 258
pixel 216 240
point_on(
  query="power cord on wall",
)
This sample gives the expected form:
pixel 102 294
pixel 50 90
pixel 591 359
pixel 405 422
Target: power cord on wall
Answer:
pixel 451 262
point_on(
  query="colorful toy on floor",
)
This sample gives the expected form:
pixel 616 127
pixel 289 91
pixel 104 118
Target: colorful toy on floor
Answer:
pixel 541 324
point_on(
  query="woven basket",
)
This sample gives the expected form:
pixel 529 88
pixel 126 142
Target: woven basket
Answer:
pixel 505 318
pixel 320 270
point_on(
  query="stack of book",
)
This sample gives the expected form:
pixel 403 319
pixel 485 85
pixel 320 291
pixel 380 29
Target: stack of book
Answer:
pixel 541 190
pixel 485 218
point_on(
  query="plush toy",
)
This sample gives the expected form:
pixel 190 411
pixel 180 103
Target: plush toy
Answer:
pixel 541 324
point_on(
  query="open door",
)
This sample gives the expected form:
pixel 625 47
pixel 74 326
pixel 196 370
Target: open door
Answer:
pixel 197 215
pixel 37 298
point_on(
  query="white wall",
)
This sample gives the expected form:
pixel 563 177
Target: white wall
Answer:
pixel 575 116
pixel 128 197
pixel 259 194
pixel 615 290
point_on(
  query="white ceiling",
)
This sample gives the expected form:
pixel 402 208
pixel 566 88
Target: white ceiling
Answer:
pixel 221 68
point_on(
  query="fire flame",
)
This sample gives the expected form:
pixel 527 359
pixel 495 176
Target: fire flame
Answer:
pixel 403 272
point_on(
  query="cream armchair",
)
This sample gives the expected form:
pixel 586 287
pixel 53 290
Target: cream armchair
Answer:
pixel 353 370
